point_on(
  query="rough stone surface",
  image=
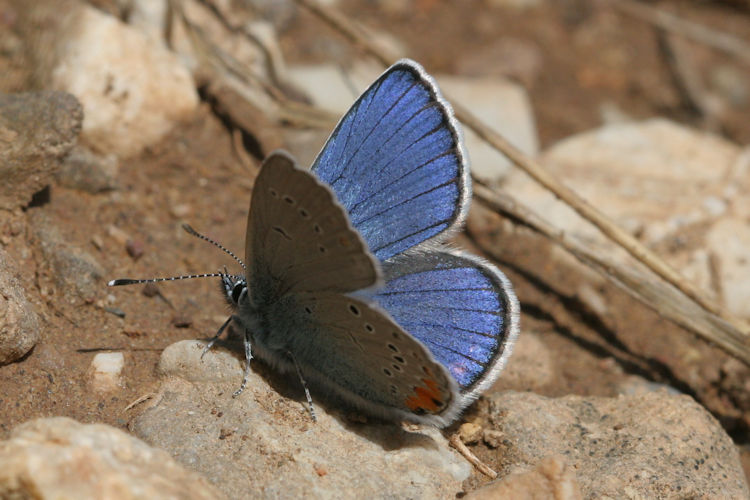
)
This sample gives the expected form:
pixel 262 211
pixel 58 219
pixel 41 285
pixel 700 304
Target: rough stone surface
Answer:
pixel 133 90
pixel 19 323
pixel 75 272
pixel 37 130
pixel 552 478
pixel 53 458
pixel 264 445
pixel 654 445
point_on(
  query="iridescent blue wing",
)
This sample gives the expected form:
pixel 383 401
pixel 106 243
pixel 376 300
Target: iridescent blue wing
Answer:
pixel 460 307
pixel 396 163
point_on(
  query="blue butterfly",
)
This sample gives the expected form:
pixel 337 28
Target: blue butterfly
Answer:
pixel 346 279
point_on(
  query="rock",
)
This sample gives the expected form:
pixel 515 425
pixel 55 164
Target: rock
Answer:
pixel 506 108
pixel 133 90
pixel 87 171
pixel 729 239
pixel 19 323
pixel 654 445
pixel 105 371
pixel 531 366
pixel 60 458
pixel 551 478
pixel 77 275
pixel 264 445
pixel 652 178
pixel 503 105
pixel 470 433
pixel 37 129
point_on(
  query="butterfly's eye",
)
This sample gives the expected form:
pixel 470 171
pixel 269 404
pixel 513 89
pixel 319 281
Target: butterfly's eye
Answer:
pixel 238 291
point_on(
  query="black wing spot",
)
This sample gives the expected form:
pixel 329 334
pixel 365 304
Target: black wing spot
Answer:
pixel 304 213
pixel 396 367
pixel 308 310
pixel 273 192
pixel 282 232
pixel 395 335
pixel 317 229
pixel 393 348
pixel 399 359
pixel 369 328
pixel 354 309
pixel 322 249
pixel 289 200
pixel 387 372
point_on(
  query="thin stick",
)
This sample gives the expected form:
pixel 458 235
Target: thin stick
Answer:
pixel 455 441
pixel 724 42
pixel 542 176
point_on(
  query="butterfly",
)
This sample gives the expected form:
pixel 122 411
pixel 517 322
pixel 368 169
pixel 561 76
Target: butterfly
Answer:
pixel 347 281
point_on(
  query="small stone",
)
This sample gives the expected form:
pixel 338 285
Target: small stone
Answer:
pixel 182 321
pixel 105 370
pixel 118 235
pixel 151 290
pixel 180 210
pixel 492 437
pixel 135 248
pixel 470 433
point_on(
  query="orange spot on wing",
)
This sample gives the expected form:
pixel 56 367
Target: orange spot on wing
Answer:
pixel 426 397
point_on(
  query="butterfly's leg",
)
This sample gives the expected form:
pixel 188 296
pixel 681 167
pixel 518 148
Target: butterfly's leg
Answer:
pixel 248 357
pixel 216 337
pixel 304 385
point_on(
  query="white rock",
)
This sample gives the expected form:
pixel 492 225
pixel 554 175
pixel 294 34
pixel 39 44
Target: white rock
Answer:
pixel 106 369
pixel 504 106
pixel 133 90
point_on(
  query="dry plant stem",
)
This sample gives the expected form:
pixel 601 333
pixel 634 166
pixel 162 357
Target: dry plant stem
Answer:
pixel 658 295
pixel 455 441
pixel 725 42
pixel 542 176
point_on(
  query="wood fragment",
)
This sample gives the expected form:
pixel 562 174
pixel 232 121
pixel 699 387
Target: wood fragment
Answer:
pixel 455 441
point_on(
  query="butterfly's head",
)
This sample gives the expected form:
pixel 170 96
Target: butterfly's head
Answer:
pixel 234 288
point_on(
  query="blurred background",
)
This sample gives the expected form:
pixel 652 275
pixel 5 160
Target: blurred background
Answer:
pixel 122 120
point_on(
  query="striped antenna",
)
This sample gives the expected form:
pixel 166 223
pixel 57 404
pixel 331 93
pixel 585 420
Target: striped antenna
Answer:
pixel 189 230
pixel 192 231
pixel 128 281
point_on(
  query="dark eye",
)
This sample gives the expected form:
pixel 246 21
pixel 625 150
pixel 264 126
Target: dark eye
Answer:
pixel 237 292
